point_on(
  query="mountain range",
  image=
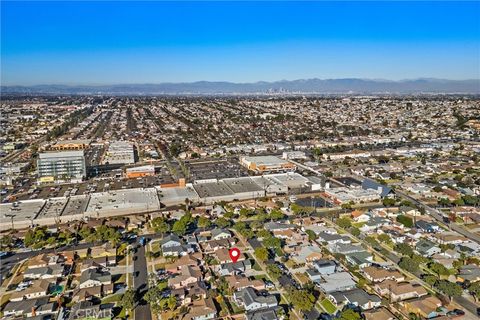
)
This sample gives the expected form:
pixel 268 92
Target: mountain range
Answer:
pixel 302 86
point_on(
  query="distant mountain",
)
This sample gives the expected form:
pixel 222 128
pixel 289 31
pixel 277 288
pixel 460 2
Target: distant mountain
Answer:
pixel 308 86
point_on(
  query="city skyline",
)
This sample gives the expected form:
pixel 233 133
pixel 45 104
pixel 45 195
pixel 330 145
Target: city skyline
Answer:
pixel 114 43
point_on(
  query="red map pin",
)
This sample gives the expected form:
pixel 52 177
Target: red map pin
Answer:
pixel 234 254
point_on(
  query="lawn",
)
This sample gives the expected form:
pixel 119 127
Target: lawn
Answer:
pixel 260 277
pixel 112 298
pixel 122 278
pixel 328 306
pixel 302 278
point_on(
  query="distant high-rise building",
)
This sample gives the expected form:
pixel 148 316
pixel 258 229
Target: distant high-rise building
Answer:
pixel 61 166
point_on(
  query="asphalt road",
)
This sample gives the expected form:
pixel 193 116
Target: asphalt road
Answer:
pixel 6 264
pixel 439 217
pixel 467 304
pixel 140 283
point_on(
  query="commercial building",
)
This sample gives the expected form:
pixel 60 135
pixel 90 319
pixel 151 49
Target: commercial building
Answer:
pixel 355 154
pixel 59 166
pixel 294 155
pixel 71 145
pixel 120 152
pixel 265 164
pixel 138 172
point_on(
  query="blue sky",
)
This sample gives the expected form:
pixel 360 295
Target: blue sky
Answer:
pixel 153 42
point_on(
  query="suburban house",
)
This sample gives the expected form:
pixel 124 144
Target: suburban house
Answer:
pixel 375 274
pixel 360 216
pixel 429 227
pixel 187 260
pixel 399 291
pixel 26 308
pixel 339 281
pixel 344 248
pixel 169 241
pixel 91 278
pixel 91 293
pixel 306 254
pixel 265 314
pixel 218 234
pixel 379 314
pixel 357 297
pixel 325 266
pixel 469 272
pixel 48 272
pixel 251 300
pixel 361 259
pixel 202 309
pixel 427 248
pixel 332 238
pixel 383 190
pixel 235 268
pixel 38 288
pixel 425 307
pixel 240 282
pixel 188 275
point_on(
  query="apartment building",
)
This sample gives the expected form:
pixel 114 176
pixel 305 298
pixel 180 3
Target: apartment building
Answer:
pixel 61 166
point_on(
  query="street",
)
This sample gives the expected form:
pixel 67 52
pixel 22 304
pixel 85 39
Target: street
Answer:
pixel 140 283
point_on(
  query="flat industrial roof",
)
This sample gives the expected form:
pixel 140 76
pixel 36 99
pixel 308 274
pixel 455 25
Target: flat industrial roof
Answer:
pixel 212 189
pixel 265 160
pixel 76 205
pixel 53 208
pixel 291 179
pixel 78 141
pixel 171 196
pixel 60 154
pixel 142 199
pixel 23 211
pixel 244 184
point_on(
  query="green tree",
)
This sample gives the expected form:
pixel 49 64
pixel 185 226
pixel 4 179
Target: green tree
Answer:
pixel 180 227
pixel 301 300
pixel 311 235
pixel 404 249
pixel 408 264
pixel 449 288
pixel 474 289
pixel 388 202
pixel 128 299
pixel 261 253
pixel 262 233
pixel 406 221
pixel 160 225
pixel 274 271
pixel 431 280
pixel 6 241
pixel 349 314
pixel 444 202
pixel 296 209
pixel 355 231
pixel 153 297
pixel 223 223
pixel 204 222
pixel 276 215
pixel 439 269
pixel 344 223
pixel 384 238
pixel 272 242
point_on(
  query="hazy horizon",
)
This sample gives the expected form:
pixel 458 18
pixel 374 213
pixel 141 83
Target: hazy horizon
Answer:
pixel 107 43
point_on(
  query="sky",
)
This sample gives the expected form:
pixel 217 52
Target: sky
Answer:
pixel 153 42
